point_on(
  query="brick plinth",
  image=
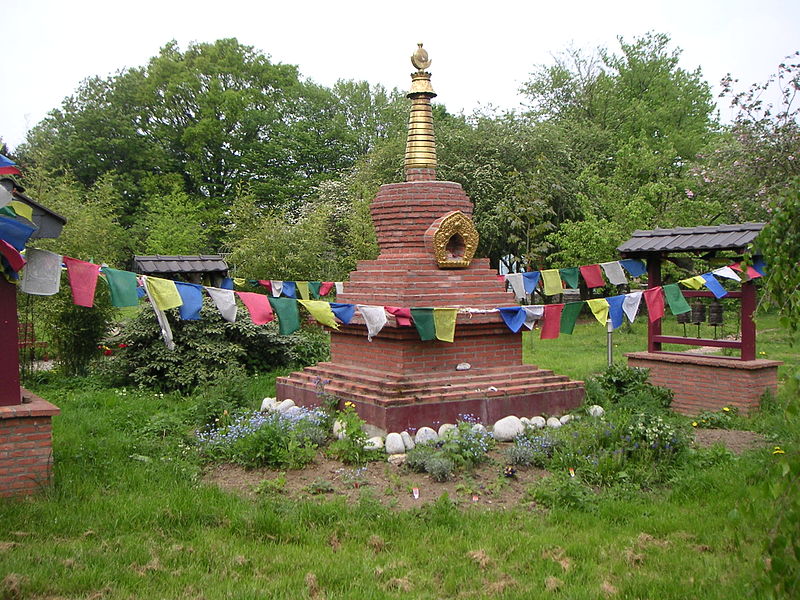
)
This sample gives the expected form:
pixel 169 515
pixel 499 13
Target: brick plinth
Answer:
pixel 709 383
pixel 398 381
pixel 26 455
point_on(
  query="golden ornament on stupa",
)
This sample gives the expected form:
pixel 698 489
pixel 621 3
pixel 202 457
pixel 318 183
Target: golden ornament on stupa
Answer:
pixel 421 143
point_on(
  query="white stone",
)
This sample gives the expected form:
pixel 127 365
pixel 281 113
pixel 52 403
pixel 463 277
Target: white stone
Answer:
pixel 465 366
pixel 397 459
pixel 554 422
pixel 445 429
pixel 479 427
pixel 566 419
pixel 407 440
pixel 525 421
pixel 425 435
pixel 595 410
pixel 374 443
pixel 507 428
pixel 285 405
pixel 339 430
pixel 292 412
pixel 538 422
pixel 394 444
pixel 268 404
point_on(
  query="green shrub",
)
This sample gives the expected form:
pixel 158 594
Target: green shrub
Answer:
pixel 627 388
pixel 350 449
pixel 531 449
pixel 439 467
pixel 462 447
pixel 562 491
pixel 228 394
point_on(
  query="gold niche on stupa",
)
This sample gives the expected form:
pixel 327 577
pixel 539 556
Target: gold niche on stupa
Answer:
pixel 455 241
pixel 421 143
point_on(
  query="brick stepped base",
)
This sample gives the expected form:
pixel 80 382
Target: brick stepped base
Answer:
pixel 395 403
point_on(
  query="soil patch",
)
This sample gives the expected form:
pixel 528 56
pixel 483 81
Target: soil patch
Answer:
pixel 735 440
pixel 392 486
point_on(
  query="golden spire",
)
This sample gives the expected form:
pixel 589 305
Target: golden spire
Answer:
pixel 421 143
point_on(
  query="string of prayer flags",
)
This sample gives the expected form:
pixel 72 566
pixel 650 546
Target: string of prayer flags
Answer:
pixel 615 310
pixel 634 266
pixel 15 232
pixel 8 167
pixel 517 285
pixel 161 316
pixel 552 321
pixel 754 271
pixel 599 308
pixel 163 291
pixel 423 321
pixel 277 288
pixel 325 288
pixel 513 317
pixel 123 286
pixel 302 289
pixel 592 275
pixel 630 305
pixel 401 315
pixel 614 273
pixel 321 311
pixel 83 280
pixel 726 273
pixel 288 314
pixel 654 298
pixel 374 317
pixel 695 282
pixel 258 306
pixel 530 279
pixel 570 276
pixel 532 315
pixel 569 316
pixel 42 274
pixel 345 312
pixel 677 303
pixel 552 282
pixel 444 320
pixel 714 286
pixel 225 301
pixel 290 289
pixel 192 296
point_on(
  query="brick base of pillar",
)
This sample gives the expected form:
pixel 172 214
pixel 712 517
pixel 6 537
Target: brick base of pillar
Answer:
pixel 709 383
pixel 26 446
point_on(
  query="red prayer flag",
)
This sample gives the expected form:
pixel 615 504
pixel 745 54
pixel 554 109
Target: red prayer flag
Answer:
pixel 751 272
pixel 12 255
pixel 266 283
pixel 325 288
pixel 552 321
pixel 655 303
pixel 593 276
pixel 402 315
pixel 258 306
pixel 82 280
pixel 10 171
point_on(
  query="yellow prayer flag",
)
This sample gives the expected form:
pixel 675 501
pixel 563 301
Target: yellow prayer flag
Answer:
pixel 695 282
pixel 321 311
pixel 444 320
pixel 164 293
pixel 552 282
pixel 239 281
pixel 22 209
pixel 599 308
pixel 302 289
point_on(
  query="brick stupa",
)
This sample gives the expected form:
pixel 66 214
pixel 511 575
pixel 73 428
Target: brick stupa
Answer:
pixel 427 241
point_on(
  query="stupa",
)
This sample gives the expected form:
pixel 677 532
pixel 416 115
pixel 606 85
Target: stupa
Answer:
pixel 427 244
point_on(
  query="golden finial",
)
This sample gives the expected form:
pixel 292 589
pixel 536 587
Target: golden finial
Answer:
pixel 420 161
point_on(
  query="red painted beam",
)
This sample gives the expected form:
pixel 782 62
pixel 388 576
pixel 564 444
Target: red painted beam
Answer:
pixel 9 346
pixel 669 339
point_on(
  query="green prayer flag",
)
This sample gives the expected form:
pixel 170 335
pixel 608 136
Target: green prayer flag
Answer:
pixel 569 315
pixel 570 275
pixel 444 320
pixel 7 211
pixel 424 322
pixel 677 303
pixel 313 288
pixel 288 314
pixel 123 287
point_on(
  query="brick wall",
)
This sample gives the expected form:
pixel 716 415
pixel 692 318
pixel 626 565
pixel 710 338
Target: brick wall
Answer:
pixel 26 454
pixel 709 383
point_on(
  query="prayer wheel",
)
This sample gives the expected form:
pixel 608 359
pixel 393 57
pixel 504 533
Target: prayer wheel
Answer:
pixel 715 313
pixel 698 312
pixel 684 318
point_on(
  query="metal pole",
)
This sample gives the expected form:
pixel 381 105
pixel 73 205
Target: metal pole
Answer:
pixel 609 341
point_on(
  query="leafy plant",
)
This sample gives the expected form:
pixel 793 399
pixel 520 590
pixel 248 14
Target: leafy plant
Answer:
pixel 725 418
pixel 350 448
pixel 562 491
pixel 627 388
pixel 272 486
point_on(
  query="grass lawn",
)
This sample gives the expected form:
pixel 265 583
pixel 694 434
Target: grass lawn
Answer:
pixel 128 516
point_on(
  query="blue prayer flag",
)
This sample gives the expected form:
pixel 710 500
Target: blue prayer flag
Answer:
pixel 514 317
pixel 634 266
pixel 15 232
pixel 530 279
pixel 227 283
pixel 289 289
pixel 343 312
pixel 192 296
pixel 615 311
pixel 713 284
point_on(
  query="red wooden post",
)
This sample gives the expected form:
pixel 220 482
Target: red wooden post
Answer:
pixel 653 280
pixel 748 326
pixel 9 346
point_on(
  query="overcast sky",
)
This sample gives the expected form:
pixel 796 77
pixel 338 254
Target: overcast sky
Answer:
pixel 481 51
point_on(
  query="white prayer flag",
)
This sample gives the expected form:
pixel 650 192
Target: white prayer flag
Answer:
pixel 614 273
pixel 277 287
pixel 532 314
pixel 42 273
pixel 630 305
pixel 225 301
pixel 517 284
pixel 374 317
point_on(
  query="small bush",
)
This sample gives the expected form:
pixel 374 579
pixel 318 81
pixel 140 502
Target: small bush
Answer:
pixel 531 450
pixel 439 467
pixel 562 491
pixel 350 449
pixel 627 388
pixel 228 394
pixel 726 418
